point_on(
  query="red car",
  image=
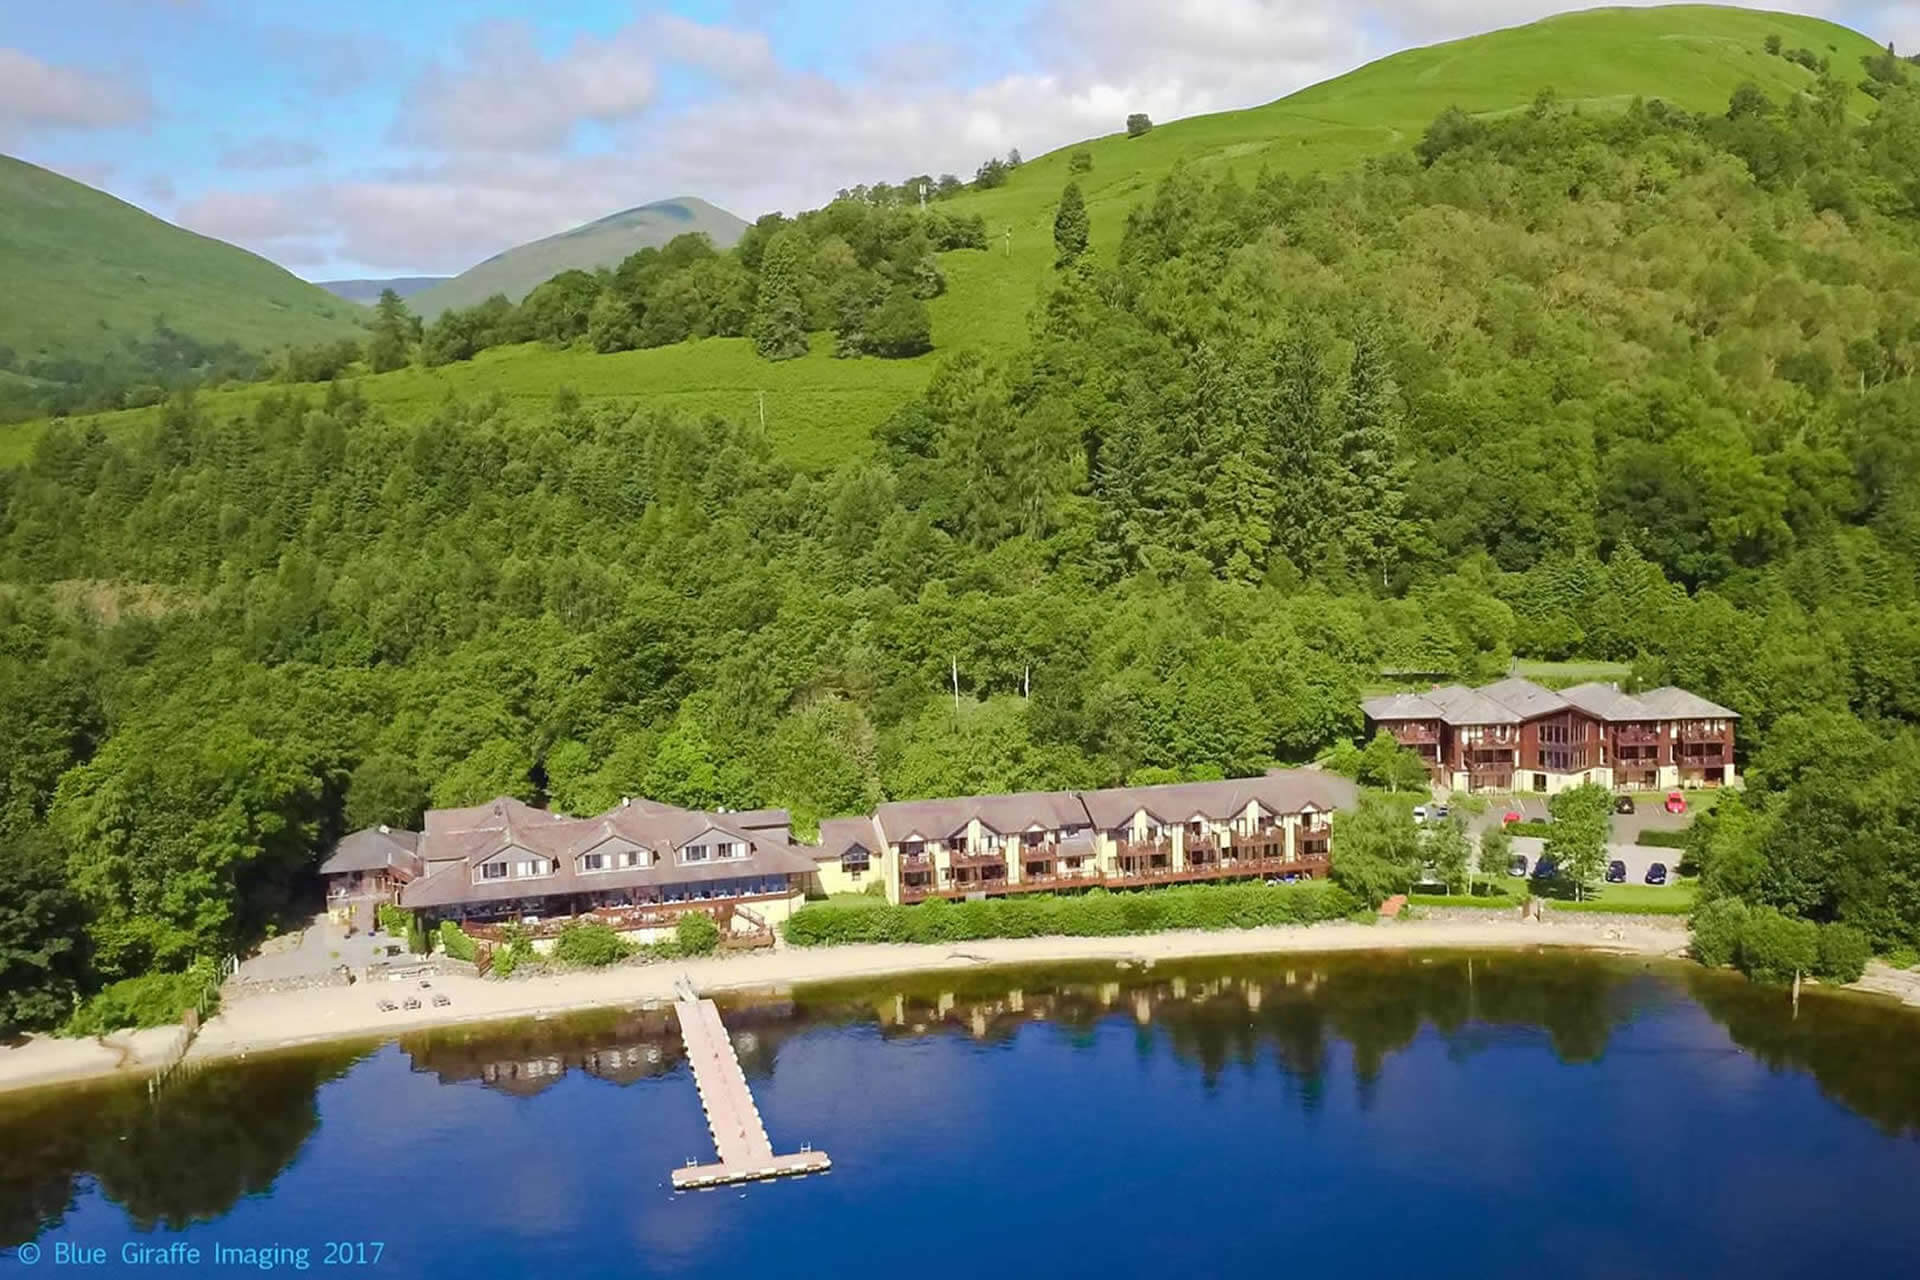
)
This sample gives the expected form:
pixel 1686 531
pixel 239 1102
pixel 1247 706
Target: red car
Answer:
pixel 1676 803
pixel 1509 818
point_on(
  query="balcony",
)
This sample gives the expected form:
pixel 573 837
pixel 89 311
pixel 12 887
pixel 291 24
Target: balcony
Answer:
pixel 1699 733
pixel 1413 735
pixel 979 858
pixel 1632 737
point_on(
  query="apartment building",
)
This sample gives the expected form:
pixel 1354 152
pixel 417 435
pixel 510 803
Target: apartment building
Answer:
pixel 1279 825
pixel 1515 735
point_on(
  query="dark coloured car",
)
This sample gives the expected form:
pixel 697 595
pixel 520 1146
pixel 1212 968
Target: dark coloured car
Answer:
pixel 1616 872
pixel 1657 873
pixel 1623 804
pixel 1517 865
pixel 1546 868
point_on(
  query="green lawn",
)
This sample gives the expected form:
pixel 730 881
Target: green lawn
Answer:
pixel 820 409
pixel 1628 898
pixel 1558 675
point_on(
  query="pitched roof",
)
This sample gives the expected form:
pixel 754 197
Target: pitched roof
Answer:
pixel 1607 702
pixel 1401 706
pixel 375 849
pixel 1669 703
pixel 838 835
pixel 1522 697
pixel 1461 705
pixel 938 819
pixel 1279 791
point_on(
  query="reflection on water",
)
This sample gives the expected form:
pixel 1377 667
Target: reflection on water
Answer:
pixel 230 1132
pixel 211 1139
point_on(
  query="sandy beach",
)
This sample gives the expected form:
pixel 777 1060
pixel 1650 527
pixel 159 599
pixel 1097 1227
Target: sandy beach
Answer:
pixel 263 1023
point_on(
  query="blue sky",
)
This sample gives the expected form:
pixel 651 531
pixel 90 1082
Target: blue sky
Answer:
pixel 373 138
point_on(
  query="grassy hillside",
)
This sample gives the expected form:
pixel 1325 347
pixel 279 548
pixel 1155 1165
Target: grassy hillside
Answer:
pixel 601 243
pixel 820 408
pixel 84 272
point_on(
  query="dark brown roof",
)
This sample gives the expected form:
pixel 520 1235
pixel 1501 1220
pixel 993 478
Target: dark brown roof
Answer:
pixel 375 849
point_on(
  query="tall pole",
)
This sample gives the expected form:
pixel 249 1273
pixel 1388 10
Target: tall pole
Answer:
pixel 954 663
pixel 762 396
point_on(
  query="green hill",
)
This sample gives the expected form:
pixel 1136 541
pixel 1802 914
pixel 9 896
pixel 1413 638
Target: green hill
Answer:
pixel 819 408
pixel 86 273
pixel 603 242
pixel 367 292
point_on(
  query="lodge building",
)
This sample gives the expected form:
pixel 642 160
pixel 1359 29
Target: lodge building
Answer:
pixel 641 864
pixel 1515 735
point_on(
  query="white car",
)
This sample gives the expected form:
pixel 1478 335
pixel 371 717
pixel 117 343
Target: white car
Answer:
pixel 1419 813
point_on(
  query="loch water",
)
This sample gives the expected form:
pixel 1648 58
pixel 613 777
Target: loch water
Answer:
pixel 1354 1115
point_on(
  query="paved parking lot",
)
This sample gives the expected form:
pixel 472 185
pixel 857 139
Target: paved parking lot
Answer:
pixel 1637 857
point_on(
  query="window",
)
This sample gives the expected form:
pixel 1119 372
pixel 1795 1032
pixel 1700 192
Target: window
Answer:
pixel 854 861
pixel 694 853
pixel 730 849
pixel 493 871
pixel 536 867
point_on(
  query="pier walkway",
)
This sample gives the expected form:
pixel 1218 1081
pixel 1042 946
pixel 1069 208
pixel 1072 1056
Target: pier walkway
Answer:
pixel 739 1136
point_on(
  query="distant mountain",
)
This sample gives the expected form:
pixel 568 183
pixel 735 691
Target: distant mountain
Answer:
pixel 603 243
pixel 85 275
pixel 367 292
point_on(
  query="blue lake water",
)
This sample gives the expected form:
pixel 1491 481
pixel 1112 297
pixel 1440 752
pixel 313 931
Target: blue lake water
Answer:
pixel 1496 1115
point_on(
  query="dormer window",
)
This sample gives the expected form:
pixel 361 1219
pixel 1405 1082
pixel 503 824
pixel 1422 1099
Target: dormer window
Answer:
pixel 531 868
pixel 730 849
pixel 696 853
pixel 493 871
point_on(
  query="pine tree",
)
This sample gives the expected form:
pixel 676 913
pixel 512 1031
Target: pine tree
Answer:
pixel 1233 496
pixel 1298 446
pixel 779 325
pixel 393 330
pixel 1370 478
pixel 1069 227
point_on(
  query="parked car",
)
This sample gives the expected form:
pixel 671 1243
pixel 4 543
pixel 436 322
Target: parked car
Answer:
pixel 1676 803
pixel 1623 804
pixel 1616 872
pixel 1517 865
pixel 1419 813
pixel 1439 813
pixel 1508 818
pixel 1546 868
pixel 1657 873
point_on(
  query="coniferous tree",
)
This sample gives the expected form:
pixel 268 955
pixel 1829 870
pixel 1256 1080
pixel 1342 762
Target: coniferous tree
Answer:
pixel 1297 446
pixel 1069 227
pixel 1370 482
pixel 394 332
pixel 779 326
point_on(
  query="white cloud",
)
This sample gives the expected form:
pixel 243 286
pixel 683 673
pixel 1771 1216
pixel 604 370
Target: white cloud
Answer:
pixel 36 96
pixel 505 95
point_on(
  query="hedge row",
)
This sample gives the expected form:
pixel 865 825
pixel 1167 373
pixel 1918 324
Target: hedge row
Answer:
pixel 1538 830
pixel 1661 839
pixel 1096 914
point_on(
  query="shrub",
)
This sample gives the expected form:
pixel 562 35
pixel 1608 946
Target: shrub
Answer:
pixel 1903 957
pixel 1080 161
pixel 1138 124
pixel 1537 830
pixel 456 943
pixel 1717 926
pixel 1774 947
pixel 1096 914
pixel 696 934
pixel 392 920
pixel 1843 953
pixel 151 1000
pixel 1662 839
pixel 591 945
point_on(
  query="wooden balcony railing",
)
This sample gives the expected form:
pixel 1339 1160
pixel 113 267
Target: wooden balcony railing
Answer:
pixel 1628 737
pixel 1409 735
pixel 980 858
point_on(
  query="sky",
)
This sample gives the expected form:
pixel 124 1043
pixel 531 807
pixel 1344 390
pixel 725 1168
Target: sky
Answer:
pixel 367 138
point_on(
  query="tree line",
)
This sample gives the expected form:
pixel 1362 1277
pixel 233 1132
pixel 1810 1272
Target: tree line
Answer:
pixel 1634 386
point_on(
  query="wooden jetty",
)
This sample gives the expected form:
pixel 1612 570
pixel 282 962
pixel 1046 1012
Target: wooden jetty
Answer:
pixel 739 1136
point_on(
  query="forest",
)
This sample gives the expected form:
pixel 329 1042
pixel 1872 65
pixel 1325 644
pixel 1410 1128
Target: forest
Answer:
pixel 1633 386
